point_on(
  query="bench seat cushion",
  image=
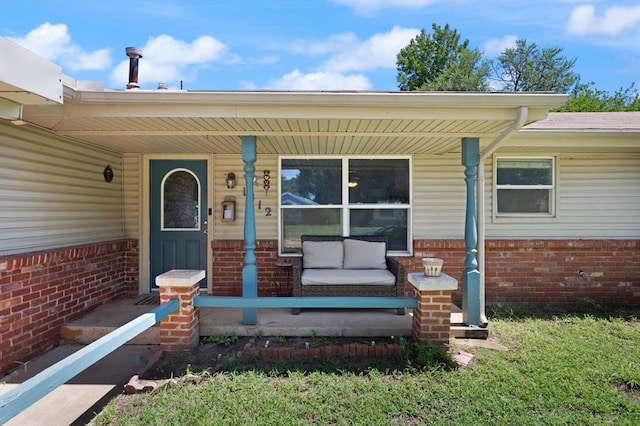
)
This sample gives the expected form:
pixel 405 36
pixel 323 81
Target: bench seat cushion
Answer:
pixel 347 277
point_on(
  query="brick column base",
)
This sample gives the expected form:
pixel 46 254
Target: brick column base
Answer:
pixel 180 331
pixel 432 317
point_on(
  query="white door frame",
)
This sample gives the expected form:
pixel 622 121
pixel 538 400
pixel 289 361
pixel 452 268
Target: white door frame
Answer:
pixel 143 219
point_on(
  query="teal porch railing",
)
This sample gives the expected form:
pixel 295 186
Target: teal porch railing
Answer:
pixel 25 394
pixel 304 302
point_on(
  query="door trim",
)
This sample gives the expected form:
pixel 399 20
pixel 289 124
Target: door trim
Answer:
pixel 145 223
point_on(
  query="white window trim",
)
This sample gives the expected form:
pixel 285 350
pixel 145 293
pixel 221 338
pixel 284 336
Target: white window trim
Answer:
pixel 345 196
pixel 552 216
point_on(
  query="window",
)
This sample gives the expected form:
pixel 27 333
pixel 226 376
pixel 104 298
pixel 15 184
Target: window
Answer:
pixel 524 187
pixel 344 196
pixel 180 201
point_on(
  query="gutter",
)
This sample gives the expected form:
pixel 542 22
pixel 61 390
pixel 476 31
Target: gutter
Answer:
pixel 520 120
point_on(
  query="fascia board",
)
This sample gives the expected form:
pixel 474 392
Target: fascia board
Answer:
pixel 28 78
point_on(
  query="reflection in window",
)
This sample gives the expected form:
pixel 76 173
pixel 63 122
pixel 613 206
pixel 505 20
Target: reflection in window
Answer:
pixel 379 181
pixel 311 182
pixel 300 221
pixel 345 196
pixel 181 201
pixel 389 222
pixel 524 186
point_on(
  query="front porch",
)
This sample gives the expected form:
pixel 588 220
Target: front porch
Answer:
pixel 271 322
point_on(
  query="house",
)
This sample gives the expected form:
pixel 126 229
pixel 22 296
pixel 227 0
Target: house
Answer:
pixel 101 190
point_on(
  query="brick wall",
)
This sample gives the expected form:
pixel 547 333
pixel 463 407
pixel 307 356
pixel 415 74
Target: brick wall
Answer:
pixel 228 259
pixel 43 290
pixel 544 273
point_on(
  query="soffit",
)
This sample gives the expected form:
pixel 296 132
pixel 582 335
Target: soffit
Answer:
pixel 369 123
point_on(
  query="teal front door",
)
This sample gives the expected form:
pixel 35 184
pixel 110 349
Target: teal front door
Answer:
pixel 178 209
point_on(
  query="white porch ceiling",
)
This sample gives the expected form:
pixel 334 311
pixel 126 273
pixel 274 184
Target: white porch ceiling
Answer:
pixel 304 123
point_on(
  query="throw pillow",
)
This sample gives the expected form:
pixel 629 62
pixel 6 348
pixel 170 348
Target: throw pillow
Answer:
pixel 322 254
pixel 364 254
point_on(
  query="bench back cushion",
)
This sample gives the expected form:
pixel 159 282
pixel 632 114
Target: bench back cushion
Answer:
pixel 322 254
pixel 364 254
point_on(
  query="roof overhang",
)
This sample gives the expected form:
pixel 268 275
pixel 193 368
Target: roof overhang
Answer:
pixel 26 78
pixel 336 122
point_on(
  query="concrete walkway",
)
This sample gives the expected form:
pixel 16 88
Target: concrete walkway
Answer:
pixel 77 401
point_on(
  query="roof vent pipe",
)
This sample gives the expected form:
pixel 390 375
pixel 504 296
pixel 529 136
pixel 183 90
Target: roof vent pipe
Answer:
pixel 134 55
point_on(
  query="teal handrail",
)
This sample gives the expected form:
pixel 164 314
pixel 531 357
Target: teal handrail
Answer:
pixel 25 394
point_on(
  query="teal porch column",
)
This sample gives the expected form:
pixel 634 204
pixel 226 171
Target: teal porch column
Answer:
pixel 249 270
pixel 471 276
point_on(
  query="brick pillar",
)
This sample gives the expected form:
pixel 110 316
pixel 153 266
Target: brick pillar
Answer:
pixel 432 317
pixel 180 331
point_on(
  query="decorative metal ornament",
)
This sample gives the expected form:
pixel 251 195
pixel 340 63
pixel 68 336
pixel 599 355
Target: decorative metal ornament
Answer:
pixel 107 173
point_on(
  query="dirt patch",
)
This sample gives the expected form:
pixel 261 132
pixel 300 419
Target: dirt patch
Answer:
pixel 281 354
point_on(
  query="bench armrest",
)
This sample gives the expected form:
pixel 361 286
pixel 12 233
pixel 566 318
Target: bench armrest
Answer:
pixel 296 274
pixel 397 269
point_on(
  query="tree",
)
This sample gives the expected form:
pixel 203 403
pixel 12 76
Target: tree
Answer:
pixel 440 62
pixel 586 98
pixel 528 68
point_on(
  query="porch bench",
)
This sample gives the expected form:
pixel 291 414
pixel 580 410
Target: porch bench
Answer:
pixel 337 266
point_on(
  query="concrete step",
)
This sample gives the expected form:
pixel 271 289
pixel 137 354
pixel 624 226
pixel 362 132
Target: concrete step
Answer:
pixel 86 334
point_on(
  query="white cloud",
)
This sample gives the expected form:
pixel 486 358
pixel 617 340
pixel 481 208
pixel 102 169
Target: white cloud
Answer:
pixel 296 80
pixel 368 7
pixel 495 46
pixel 379 51
pixel 165 49
pixel 334 43
pixel 268 60
pixel 347 55
pixel 616 19
pixel 53 42
pixel 169 60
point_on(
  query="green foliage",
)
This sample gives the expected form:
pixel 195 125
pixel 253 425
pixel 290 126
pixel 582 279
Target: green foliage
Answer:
pixel 224 340
pixel 559 371
pixel 440 62
pixel 529 68
pixel 587 98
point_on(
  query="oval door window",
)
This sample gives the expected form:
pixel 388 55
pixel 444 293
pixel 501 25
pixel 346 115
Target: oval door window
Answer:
pixel 180 201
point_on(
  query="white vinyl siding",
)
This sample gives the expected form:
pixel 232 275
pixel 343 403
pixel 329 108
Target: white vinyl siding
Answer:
pixel 439 197
pixel 598 197
pixel 53 194
pixel 265 203
pixel 132 189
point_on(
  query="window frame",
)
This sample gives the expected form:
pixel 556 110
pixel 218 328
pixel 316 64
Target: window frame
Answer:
pixel 552 213
pixel 345 206
pixel 197 226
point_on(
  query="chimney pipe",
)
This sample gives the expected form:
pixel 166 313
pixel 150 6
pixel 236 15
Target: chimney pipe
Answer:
pixel 134 55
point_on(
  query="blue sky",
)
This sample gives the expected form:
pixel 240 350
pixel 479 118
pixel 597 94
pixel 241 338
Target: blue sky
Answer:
pixel 309 44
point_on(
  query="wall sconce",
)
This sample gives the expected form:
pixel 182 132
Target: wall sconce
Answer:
pixel 230 180
pixel 107 173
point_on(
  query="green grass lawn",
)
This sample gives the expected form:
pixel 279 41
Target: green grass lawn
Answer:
pixel 573 370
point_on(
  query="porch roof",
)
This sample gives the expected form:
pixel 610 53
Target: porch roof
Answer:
pixel 304 123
